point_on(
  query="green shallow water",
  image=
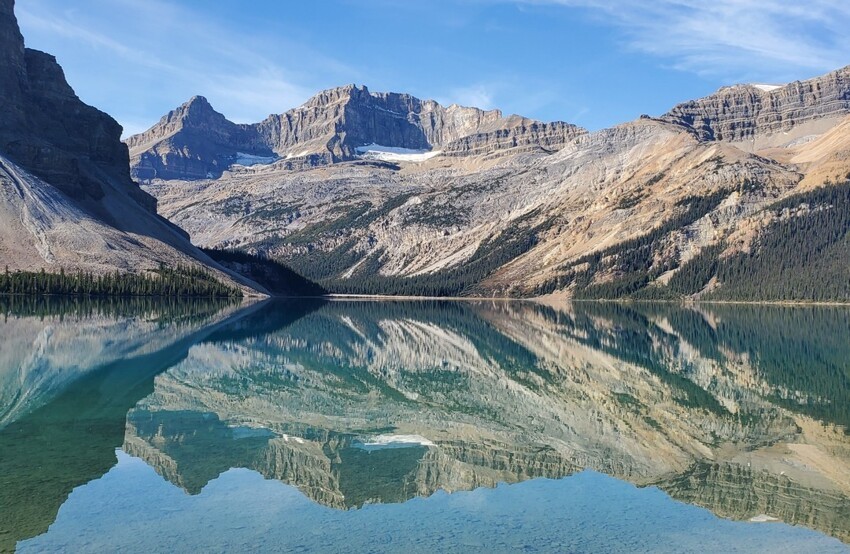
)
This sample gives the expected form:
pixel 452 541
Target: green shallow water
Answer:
pixel 423 426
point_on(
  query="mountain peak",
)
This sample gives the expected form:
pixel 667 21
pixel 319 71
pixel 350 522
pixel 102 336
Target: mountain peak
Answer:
pixel 344 93
pixel 194 141
pixel 196 110
pixel 198 102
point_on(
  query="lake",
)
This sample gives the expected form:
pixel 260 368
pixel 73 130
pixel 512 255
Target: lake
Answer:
pixel 422 426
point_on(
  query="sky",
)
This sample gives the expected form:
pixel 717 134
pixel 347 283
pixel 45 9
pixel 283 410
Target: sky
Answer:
pixel 595 63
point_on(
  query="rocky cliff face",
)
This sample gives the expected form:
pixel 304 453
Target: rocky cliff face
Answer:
pixel 451 201
pixel 512 224
pixel 195 141
pixel 737 492
pixel 12 66
pixel 49 132
pixel 67 199
pixel 513 134
pixel 757 113
pixel 516 207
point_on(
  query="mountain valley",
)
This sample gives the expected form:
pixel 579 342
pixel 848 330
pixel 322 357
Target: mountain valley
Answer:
pixel 741 195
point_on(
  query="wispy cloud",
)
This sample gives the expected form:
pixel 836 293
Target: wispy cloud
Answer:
pixel 730 38
pixel 64 25
pixel 245 76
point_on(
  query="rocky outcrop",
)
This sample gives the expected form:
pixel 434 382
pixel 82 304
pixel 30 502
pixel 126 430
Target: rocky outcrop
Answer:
pixel 49 132
pixel 515 134
pixel 66 196
pixel 737 492
pixel 755 112
pixel 194 141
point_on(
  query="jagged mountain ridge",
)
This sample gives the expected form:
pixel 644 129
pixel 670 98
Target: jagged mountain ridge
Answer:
pixel 194 141
pixel 607 213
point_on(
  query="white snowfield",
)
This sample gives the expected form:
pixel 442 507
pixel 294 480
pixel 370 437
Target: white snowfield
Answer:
pixel 395 441
pixel 393 154
pixel 250 159
pixel 767 88
pixel 763 519
pixel 299 154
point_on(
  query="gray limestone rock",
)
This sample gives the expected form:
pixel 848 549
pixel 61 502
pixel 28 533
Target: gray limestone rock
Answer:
pixel 195 142
pixel 751 112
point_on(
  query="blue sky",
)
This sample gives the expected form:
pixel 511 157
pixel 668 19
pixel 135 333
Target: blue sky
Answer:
pixel 595 63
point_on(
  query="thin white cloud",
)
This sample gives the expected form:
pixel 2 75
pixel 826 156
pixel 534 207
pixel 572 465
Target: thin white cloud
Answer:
pixel 731 38
pixel 64 26
pixel 176 51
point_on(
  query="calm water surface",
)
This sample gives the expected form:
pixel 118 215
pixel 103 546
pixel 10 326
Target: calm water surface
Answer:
pixel 423 426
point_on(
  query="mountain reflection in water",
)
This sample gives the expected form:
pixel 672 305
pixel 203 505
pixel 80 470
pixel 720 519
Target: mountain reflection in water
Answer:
pixel 738 409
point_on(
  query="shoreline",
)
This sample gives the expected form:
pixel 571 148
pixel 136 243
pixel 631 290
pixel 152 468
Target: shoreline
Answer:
pixel 543 300
pixel 562 300
pixel 405 297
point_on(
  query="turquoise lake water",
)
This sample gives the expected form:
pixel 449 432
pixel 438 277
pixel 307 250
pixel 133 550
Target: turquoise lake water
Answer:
pixel 356 426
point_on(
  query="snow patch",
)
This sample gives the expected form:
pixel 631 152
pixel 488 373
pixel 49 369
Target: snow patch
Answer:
pixel 298 155
pixel 382 442
pixel 250 159
pixel 393 154
pixel 766 88
pixel 288 438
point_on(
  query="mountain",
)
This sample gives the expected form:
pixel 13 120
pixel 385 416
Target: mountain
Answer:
pixel 737 195
pixel 195 141
pixel 759 116
pixel 67 200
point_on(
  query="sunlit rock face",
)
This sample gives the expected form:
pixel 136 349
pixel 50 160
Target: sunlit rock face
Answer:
pixel 196 142
pixel 518 219
pixel 380 402
pixel 763 115
pixel 358 188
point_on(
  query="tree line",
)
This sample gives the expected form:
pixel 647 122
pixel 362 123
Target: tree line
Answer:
pixel 180 281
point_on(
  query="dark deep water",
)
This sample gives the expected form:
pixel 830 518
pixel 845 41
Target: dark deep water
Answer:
pixel 423 426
